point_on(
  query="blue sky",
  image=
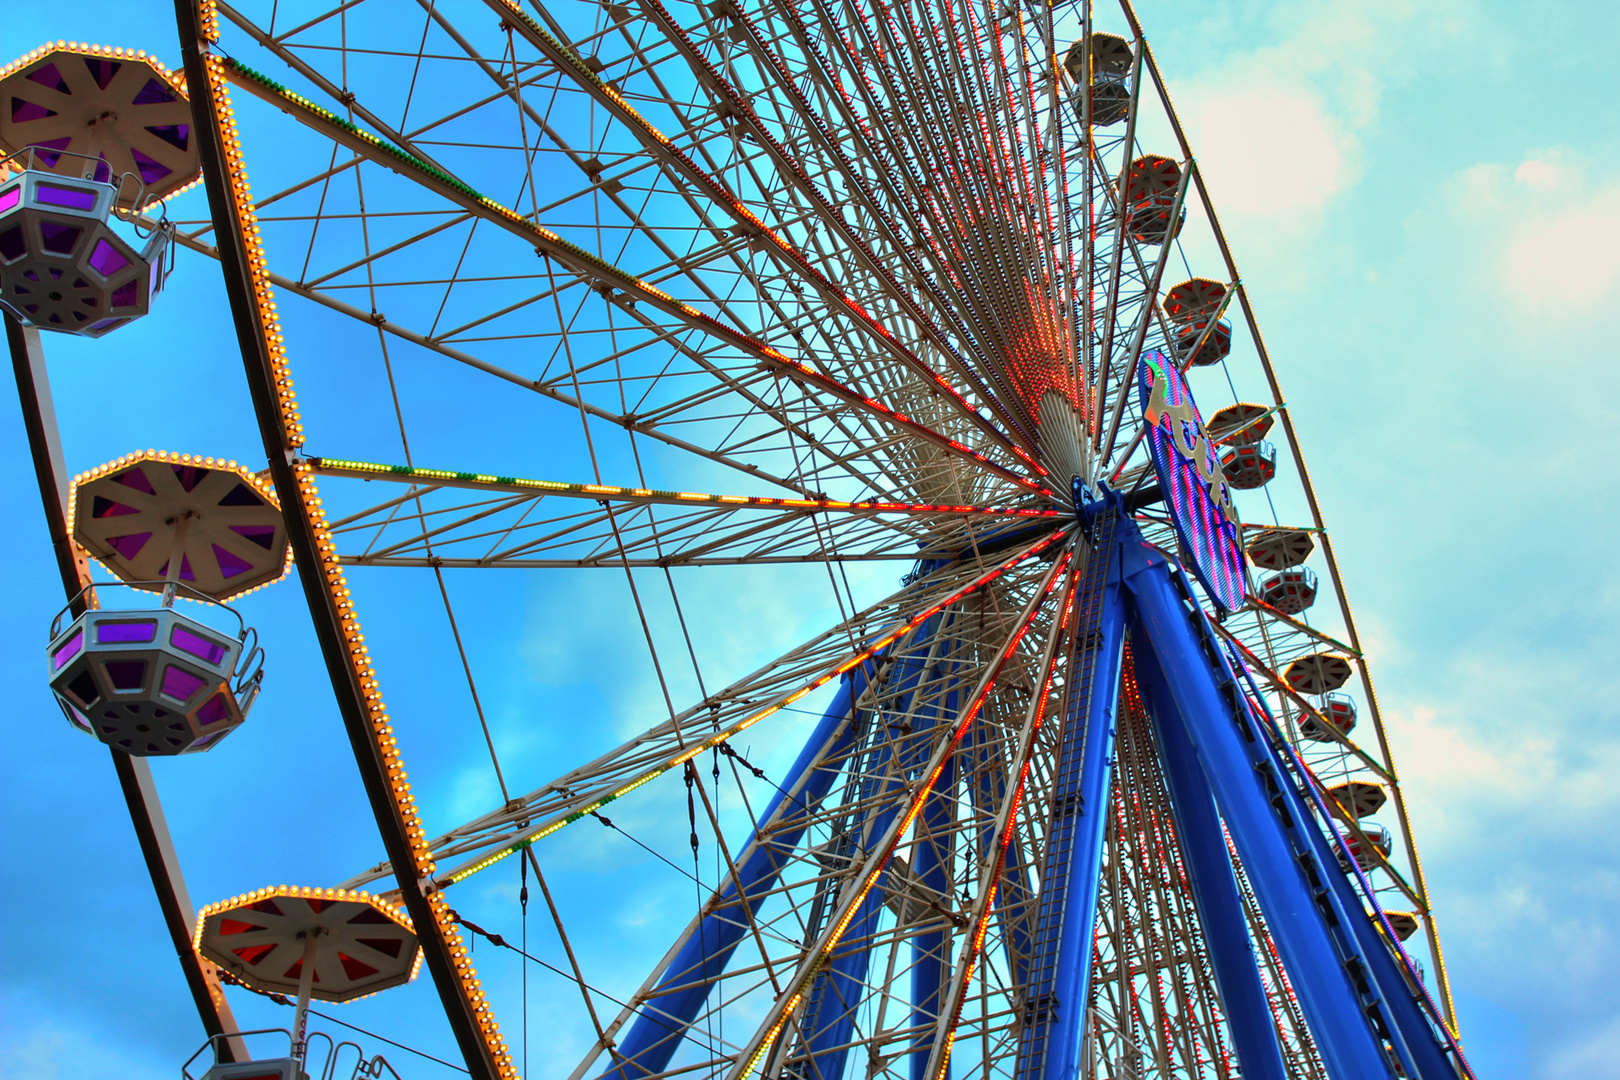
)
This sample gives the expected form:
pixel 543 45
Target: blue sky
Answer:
pixel 1425 203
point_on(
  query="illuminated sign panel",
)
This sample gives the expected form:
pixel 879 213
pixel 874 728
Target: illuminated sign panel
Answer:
pixel 1189 471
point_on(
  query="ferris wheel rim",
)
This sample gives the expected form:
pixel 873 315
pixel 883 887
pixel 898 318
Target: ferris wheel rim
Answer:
pixel 868 421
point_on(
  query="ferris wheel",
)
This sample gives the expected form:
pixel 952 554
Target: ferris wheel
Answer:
pixel 928 298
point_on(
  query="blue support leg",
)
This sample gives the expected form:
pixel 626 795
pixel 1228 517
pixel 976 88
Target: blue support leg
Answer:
pixel 1052 1042
pixel 829 1015
pixel 655 1033
pixel 1415 1027
pixel 1213 711
pixel 829 1012
pixel 1087 813
pixel 1215 890
pixel 930 964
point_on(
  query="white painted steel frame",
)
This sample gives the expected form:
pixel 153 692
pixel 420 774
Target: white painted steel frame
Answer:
pixel 846 308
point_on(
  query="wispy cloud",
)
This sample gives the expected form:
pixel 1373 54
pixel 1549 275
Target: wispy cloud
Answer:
pixel 42 1043
pixel 1552 225
pixel 1279 126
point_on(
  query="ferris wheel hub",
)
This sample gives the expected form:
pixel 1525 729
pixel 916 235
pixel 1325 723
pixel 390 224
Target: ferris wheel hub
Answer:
pixel 1063 443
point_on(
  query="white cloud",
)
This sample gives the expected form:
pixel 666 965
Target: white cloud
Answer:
pixel 1271 151
pixel 1493 650
pixel 1279 129
pixel 1566 259
pixel 1547 232
pixel 1540 175
pixel 1594 1054
pixel 1274 129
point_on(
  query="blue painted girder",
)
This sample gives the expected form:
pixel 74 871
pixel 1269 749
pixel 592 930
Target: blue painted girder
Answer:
pixel 655 1033
pixel 1052 1040
pixel 1416 1031
pixel 1220 768
pixel 1215 890
pixel 1210 710
pixel 1362 1015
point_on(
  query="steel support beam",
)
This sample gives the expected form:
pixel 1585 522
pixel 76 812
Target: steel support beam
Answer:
pixel 622 288
pixel 433 933
pixel 816 956
pixel 1431 930
pixel 1326 971
pixel 673 159
pixel 134 774
pixel 435 345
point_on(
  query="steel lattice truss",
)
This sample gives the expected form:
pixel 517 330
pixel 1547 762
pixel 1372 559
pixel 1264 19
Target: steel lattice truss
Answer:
pixel 878 277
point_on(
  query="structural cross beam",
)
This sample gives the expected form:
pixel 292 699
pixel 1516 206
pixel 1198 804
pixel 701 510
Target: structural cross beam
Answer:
pixel 134 774
pixel 353 682
pixel 621 287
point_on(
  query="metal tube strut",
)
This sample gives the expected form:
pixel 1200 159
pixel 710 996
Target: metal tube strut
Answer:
pixel 134 774
pixel 432 933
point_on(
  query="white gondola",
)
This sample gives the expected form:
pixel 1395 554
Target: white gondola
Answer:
pixel 1191 308
pixel 150 681
pixel 1289 591
pixel 1151 184
pixel 1111 61
pixel 1338 714
pixel 1250 466
pixel 153 682
pixel 1278 549
pixel 62 264
pixel 1378 840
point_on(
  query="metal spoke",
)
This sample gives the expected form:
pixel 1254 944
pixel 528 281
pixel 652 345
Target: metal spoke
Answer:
pixel 776 283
